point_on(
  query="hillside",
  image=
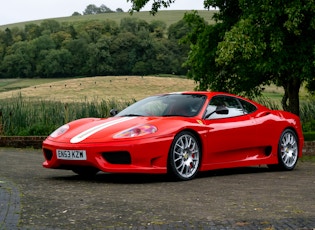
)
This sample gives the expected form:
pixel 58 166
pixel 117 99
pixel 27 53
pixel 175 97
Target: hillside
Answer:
pixel 168 16
pixel 95 88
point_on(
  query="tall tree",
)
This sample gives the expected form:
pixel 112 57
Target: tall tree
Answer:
pixel 32 31
pixel 104 9
pixel 91 9
pixel 275 44
pixel 253 43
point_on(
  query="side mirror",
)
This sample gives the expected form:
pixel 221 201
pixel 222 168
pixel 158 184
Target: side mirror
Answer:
pixel 221 110
pixel 113 112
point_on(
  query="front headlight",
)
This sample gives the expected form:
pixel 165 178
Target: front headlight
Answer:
pixel 61 130
pixel 136 131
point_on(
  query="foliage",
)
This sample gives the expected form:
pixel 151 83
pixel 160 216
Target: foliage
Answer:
pixel 309 126
pixel 253 43
pixel 157 4
pixel 21 116
pixel 88 48
pixel 24 117
pixel 309 136
pixel 274 40
pixel 93 9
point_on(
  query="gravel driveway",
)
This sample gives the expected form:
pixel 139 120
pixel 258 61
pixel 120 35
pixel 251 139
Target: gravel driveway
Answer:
pixel 32 197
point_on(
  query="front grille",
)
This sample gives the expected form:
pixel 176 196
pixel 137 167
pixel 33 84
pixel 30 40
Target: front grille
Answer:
pixel 122 157
pixel 48 154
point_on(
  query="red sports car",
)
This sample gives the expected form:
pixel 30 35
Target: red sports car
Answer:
pixel 180 134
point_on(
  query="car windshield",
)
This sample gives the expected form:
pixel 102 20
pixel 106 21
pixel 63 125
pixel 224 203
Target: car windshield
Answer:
pixel 186 105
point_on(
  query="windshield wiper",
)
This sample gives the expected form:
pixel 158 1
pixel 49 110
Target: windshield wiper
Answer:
pixel 175 115
pixel 170 115
pixel 132 115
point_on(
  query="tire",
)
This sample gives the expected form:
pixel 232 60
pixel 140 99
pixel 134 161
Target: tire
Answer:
pixel 288 151
pixel 184 156
pixel 86 171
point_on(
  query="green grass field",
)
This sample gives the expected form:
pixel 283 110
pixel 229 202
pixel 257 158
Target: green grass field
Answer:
pixel 167 16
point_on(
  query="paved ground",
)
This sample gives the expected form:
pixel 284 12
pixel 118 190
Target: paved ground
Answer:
pixel 32 197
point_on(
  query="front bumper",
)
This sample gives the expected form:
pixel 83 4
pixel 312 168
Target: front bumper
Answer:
pixel 129 156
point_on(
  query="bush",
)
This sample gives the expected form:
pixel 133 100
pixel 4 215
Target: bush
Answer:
pixel 309 126
pixel 309 136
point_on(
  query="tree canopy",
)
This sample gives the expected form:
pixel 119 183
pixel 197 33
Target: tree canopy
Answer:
pixel 252 44
pixel 93 9
pixel 89 48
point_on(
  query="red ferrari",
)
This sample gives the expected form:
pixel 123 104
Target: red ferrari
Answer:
pixel 180 134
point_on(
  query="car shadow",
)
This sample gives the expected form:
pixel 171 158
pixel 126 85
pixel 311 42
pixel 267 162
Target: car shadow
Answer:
pixel 117 178
pixel 235 171
pixel 123 178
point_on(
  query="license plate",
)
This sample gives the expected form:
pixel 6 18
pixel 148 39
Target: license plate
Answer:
pixel 71 154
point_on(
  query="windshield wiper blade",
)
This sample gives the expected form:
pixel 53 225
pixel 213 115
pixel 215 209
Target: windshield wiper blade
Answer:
pixel 132 115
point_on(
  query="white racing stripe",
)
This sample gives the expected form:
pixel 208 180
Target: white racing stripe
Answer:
pixel 87 133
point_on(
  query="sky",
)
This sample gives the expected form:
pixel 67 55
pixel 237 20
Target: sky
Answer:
pixel 13 11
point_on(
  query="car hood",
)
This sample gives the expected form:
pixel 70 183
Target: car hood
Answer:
pixel 89 130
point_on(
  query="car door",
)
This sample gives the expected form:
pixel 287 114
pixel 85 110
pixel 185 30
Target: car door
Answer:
pixel 231 136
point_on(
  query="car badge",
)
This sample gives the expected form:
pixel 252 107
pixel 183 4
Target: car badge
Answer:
pixel 200 122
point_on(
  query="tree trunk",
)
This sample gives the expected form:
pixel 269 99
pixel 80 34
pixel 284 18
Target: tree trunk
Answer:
pixel 290 101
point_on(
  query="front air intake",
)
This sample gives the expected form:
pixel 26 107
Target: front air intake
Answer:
pixel 121 157
pixel 48 154
pixel 268 150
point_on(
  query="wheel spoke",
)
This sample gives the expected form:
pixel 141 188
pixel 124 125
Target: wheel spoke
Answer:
pixel 289 150
pixel 186 156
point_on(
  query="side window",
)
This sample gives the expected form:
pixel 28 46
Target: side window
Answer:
pixel 247 107
pixel 232 104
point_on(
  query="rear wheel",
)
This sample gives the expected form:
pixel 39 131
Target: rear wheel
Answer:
pixel 86 171
pixel 288 151
pixel 184 156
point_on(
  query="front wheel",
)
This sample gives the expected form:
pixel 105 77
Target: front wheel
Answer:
pixel 288 151
pixel 184 156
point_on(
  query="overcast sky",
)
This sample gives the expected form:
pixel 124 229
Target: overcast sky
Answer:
pixel 13 11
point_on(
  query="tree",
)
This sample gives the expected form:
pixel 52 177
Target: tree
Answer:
pixel 54 63
pixel 32 31
pixel 157 28
pixel 61 38
pixel 133 25
pixel 123 50
pixel 253 43
pixel 275 44
pixel 157 4
pixel 79 50
pixel 178 30
pixel 50 26
pixel 91 9
pixel 17 61
pixel 76 14
pixel 104 9
pixel 99 58
pixel 8 38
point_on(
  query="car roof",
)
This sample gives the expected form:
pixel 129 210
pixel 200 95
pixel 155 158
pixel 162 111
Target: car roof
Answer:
pixel 210 94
